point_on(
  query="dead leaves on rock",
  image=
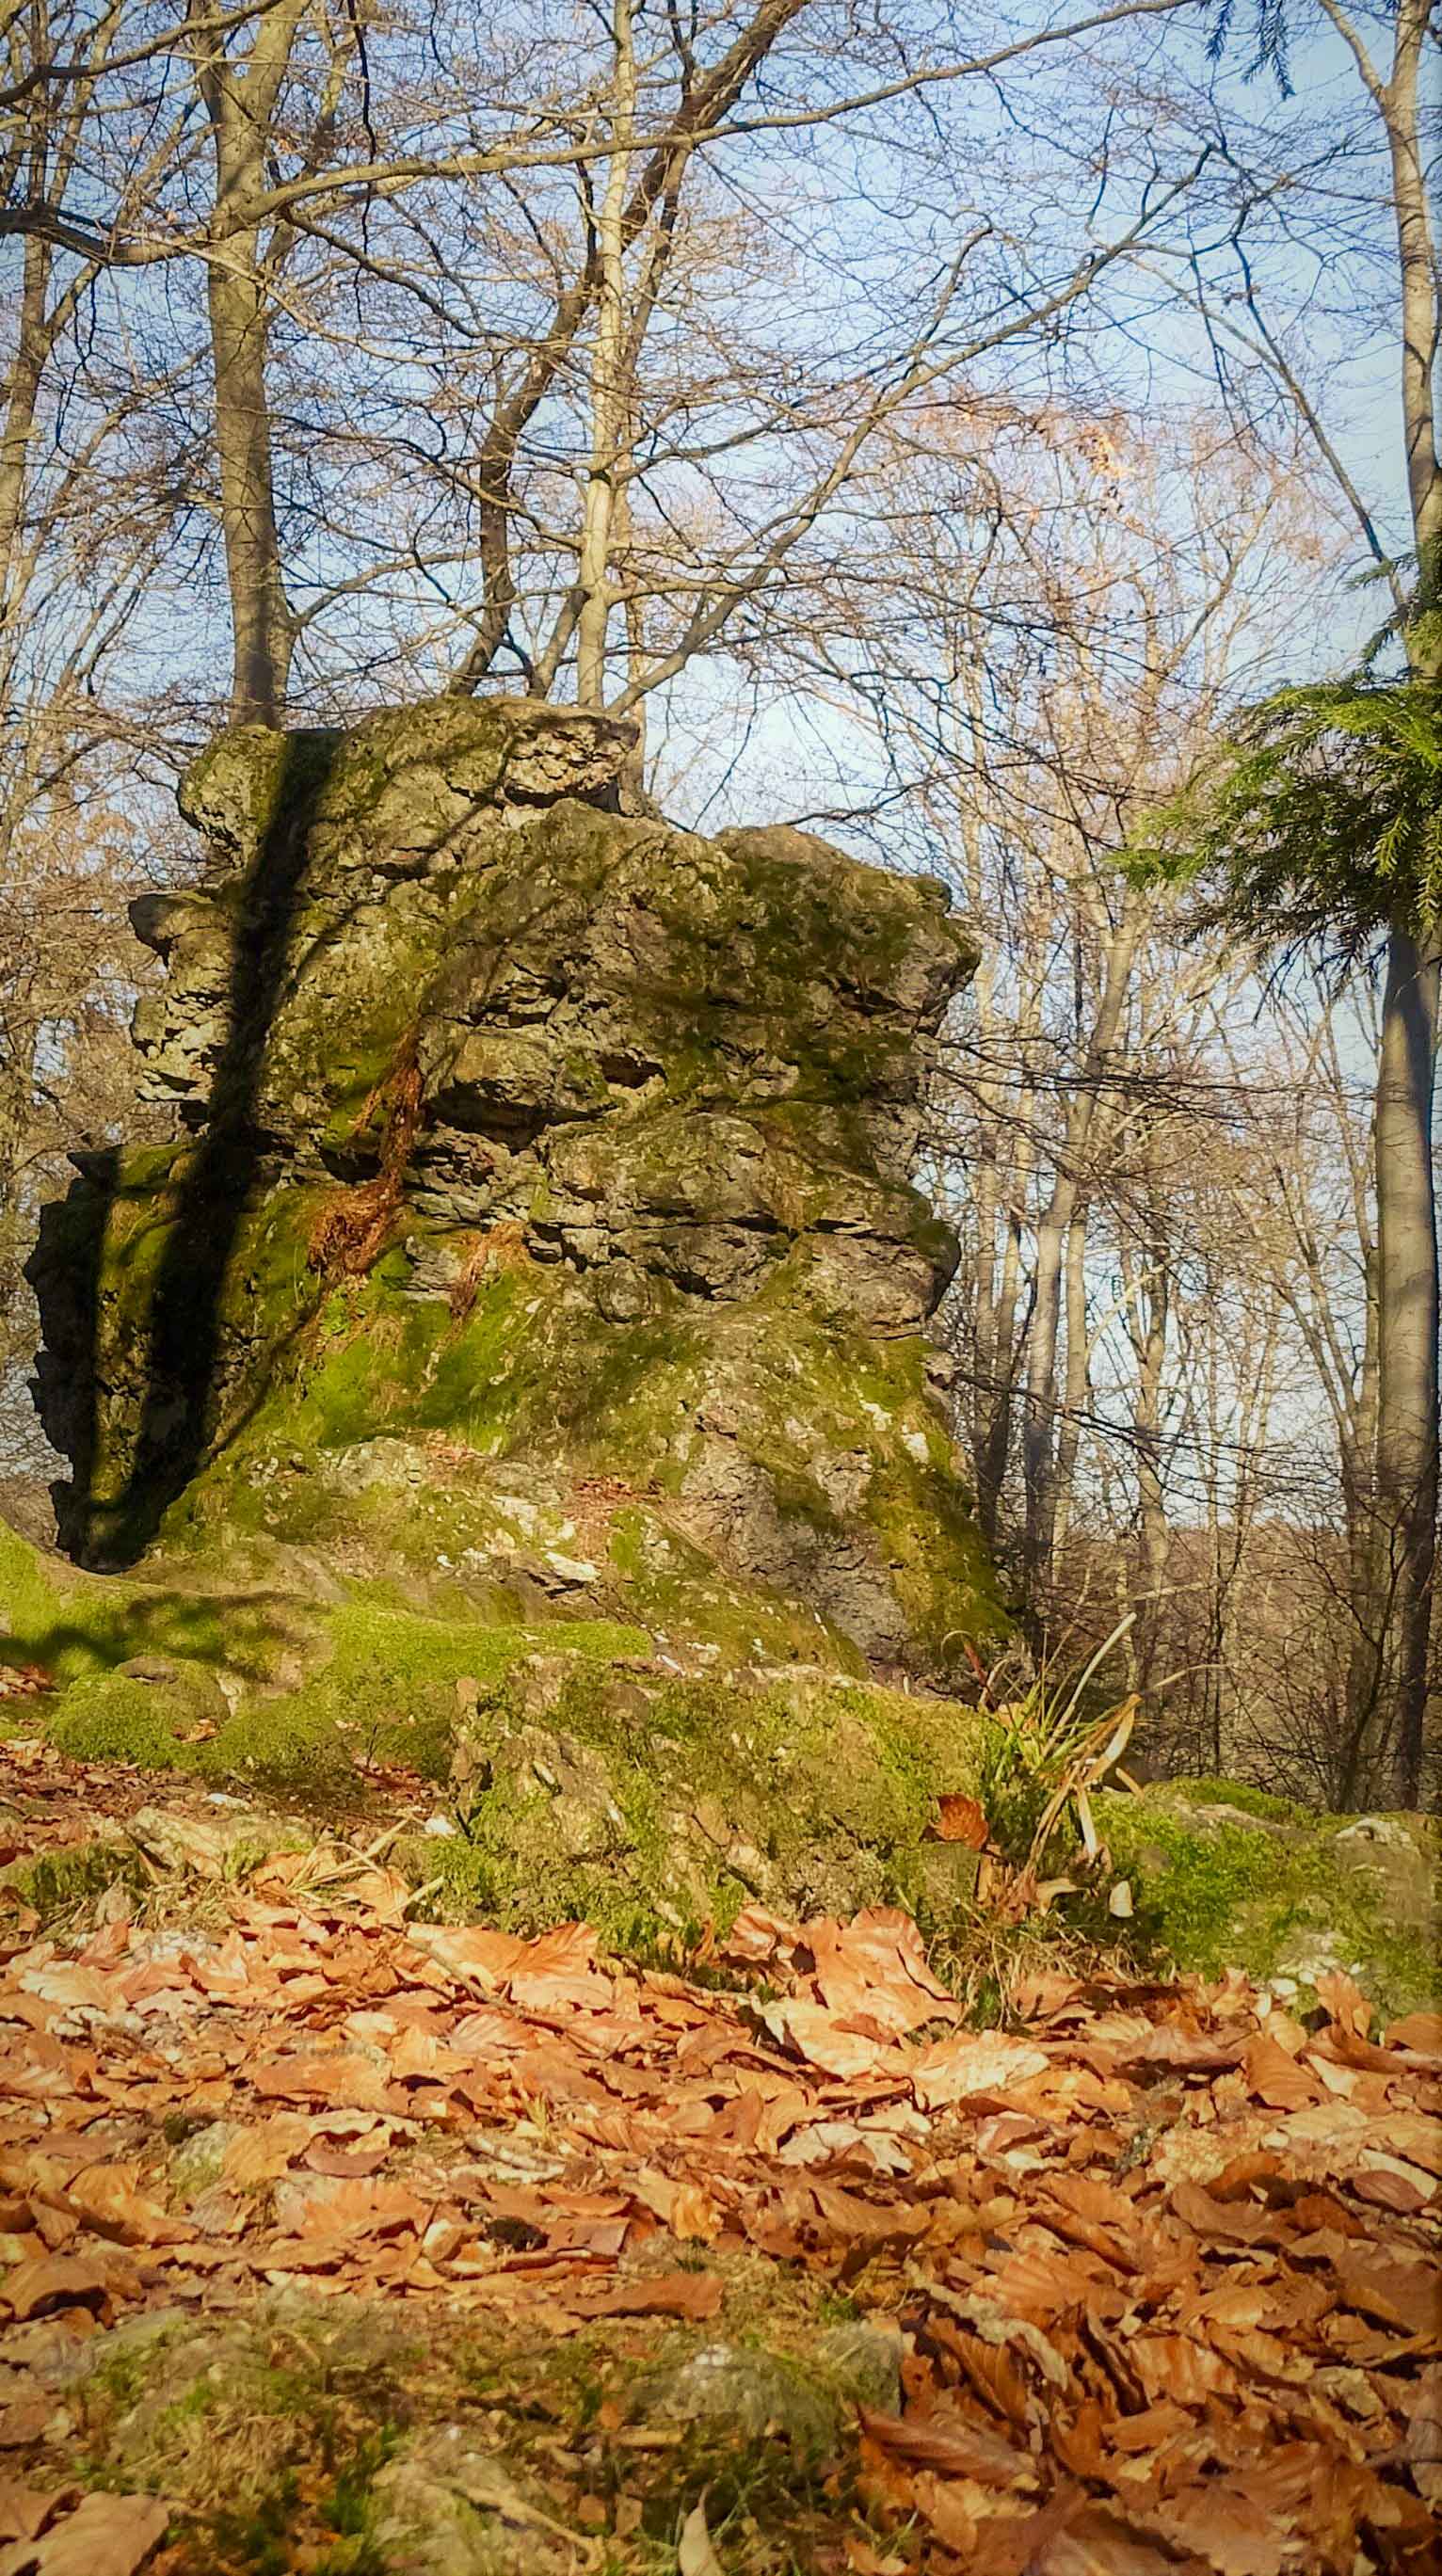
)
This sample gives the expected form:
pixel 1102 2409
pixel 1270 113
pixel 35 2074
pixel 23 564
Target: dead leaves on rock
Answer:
pixel 961 1820
pixel 1164 2265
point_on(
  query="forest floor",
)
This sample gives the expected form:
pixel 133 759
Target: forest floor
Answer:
pixel 339 2241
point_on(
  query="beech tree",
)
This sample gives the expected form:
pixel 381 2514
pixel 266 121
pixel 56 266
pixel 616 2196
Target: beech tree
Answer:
pixel 1325 825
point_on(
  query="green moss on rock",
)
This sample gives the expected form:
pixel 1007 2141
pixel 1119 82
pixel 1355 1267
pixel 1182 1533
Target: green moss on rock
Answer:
pixel 1229 1879
pixel 657 1807
pixel 54 1882
pixel 156 1712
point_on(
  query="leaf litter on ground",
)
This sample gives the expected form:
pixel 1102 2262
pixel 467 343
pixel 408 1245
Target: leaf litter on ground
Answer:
pixel 1162 2257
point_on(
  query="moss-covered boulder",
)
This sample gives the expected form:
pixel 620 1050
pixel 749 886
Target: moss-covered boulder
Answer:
pixel 155 1710
pixel 426 2440
pixel 655 1806
pixel 1226 1876
pixel 571 1766
pixel 538 1219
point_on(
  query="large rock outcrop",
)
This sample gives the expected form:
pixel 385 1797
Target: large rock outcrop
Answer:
pixel 538 1220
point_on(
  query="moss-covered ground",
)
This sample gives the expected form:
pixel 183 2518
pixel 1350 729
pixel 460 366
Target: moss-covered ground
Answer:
pixel 271 2435
pixel 576 1765
pixel 645 1778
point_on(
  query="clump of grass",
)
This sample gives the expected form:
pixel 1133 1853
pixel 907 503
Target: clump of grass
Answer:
pixel 1040 1753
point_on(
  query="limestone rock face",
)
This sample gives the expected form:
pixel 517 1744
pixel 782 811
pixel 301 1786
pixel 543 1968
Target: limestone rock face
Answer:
pixel 539 1208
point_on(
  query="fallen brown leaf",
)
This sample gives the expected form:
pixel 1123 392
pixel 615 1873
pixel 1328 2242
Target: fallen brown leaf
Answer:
pixel 970 2063
pixel 961 1820
pixel 106 2535
pixel 696 2295
pixel 695 2555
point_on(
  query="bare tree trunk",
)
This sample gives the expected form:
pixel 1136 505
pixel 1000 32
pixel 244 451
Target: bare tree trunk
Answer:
pixel 1038 1450
pixel 635 796
pixel 32 347
pixel 1407 1426
pixel 610 406
pixel 1038 1447
pixel 1366 1577
pixel 22 392
pixel 14 1109
pixel 241 107
pixel 1421 298
pixel 1077 1382
pixel 1149 1337
pixel 262 627
pixel 996 1348
pixel 998 1185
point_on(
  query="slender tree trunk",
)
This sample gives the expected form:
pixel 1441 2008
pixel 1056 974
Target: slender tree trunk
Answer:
pixel 1407 1424
pixel 240 103
pixel 610 405
pixel 997 1366
pixel 1367 1591
pixel 1038 1446
pixel 1038 1438
pixel 32 343
pixel 1150 1342
pixel 14 1116
pixel 985 1394
pixel 1421 296
pixel 996 1202
pixel 1076 1385
pixel 262 627
pixel 22 392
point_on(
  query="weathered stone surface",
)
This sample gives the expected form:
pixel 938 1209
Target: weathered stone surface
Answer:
pixel 735 2395
pixel 642 1801
pixel 748 2395
pixel 525 1150
pixel 447 2507
pixel 197 2163
pixel 225 1839
pixel 423 2418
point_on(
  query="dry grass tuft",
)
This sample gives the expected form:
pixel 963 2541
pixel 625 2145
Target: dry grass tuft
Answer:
pixel 504 1246
pixel 354 1225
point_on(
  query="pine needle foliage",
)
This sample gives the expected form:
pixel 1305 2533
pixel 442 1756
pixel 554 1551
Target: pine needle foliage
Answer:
pixel 1270 33
pixel 1315 824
